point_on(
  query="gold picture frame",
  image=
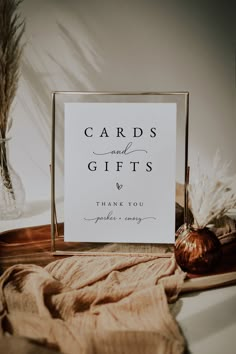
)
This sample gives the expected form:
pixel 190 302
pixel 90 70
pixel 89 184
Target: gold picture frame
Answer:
pixel 58 246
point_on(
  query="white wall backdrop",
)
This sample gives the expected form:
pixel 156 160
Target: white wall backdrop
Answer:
pixel 137 45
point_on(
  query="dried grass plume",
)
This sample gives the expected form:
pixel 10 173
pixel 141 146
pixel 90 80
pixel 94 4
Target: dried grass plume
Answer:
pixel 11 31
pixel 211 195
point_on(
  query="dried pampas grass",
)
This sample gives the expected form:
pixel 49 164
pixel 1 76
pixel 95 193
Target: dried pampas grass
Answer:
pixel 211 195
pixel 11 31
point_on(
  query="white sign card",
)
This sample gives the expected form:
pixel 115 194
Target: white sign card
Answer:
pixel 120 167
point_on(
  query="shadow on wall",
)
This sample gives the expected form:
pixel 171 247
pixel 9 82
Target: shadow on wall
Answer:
pixel 68 77
pixel 86 65
pixel 39 92
pixel 114 45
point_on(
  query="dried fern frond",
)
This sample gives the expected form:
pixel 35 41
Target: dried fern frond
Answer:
pixel 211 195
pixel 11 31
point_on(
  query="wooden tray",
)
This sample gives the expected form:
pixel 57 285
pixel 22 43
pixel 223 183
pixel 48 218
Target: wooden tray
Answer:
pixel 32 245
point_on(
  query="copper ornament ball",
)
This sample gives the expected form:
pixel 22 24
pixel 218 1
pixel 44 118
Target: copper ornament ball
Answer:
pixel 197 250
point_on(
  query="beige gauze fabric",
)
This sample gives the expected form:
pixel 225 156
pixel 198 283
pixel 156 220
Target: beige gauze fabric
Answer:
pixel 95 304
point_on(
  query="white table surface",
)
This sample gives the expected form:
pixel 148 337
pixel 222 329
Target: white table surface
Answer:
pixel 207 318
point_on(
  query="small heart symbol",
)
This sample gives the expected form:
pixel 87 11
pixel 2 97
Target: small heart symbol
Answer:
pixel 119 186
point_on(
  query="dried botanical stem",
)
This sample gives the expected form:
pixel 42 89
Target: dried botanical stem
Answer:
pixel 11 31
pixel 211 196
pixel 4 168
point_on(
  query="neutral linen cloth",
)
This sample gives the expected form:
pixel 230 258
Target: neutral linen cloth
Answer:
pixel 95 304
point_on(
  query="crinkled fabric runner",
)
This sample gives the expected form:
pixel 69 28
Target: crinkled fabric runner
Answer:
pixel 95 304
